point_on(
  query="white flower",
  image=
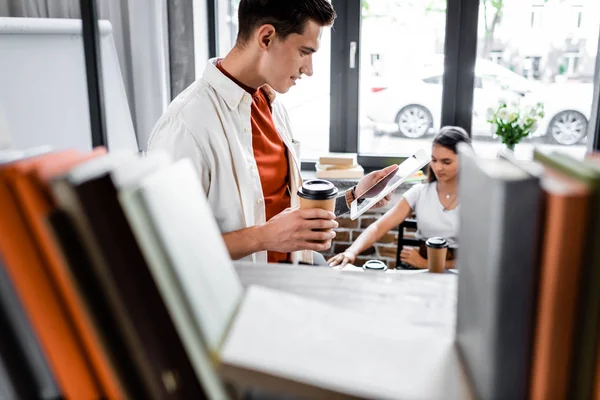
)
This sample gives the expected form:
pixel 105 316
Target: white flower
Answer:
pixel 493 129
pixel 529 111
pixel 534 127
pixel 503 114
pixel 490 113
pixel 522 122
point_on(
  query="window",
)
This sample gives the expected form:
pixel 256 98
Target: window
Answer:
pixel 571 63
pixel 227 25
pixel 376 64
pixel 579 15
pixel 308 104
pixel 574 14
pixel 496 56
pixel 536 16
pixel 401 97
pixel 539 69
pixel 531 67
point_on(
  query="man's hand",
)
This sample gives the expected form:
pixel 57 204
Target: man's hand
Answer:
pixel 371 179
pixel 295 229
pixel 412 257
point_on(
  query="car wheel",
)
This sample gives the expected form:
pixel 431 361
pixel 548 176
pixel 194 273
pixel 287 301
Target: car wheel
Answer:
pixel 567 128
pixel 414 121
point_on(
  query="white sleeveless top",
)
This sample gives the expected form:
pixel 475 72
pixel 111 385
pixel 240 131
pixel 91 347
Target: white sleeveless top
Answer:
pixel 432 219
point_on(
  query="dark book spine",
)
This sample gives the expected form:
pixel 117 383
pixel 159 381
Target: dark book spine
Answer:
pixel 25 367
pixel 517 275
pixel 88 283
pixel 170 365
pixel 587 329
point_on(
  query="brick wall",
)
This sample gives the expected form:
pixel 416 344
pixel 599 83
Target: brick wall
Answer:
pixel 348 231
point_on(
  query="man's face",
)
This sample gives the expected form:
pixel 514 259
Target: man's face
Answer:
pixel 286 60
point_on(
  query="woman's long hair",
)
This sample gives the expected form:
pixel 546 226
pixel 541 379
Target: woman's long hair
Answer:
pixel 449 137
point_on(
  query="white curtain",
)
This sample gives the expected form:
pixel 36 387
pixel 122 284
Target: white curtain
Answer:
pixel 141 37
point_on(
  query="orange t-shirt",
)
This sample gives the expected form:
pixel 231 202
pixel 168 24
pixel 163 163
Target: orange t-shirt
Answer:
pixel 271 157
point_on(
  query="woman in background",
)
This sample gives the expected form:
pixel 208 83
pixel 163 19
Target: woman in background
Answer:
pixel 435 204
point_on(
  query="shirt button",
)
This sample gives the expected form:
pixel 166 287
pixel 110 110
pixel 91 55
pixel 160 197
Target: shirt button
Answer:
pixel 247 130
pixel 251 167
pixel 246 98
pixel 260 201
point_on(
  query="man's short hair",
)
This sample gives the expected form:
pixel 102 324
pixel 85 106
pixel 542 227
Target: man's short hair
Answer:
pixel 287 16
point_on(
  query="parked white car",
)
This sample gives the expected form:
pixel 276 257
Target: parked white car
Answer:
pixel 411 105
pixel 567 107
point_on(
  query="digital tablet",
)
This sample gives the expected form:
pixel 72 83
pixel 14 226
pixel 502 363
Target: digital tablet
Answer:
pixel 404 171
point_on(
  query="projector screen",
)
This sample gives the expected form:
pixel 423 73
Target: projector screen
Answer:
pixel 43 86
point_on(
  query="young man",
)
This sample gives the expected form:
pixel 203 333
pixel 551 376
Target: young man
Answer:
pixel 230 124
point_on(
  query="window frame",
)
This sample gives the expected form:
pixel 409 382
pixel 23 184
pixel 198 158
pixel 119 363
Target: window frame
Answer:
pixel 594 121
pixel 182 65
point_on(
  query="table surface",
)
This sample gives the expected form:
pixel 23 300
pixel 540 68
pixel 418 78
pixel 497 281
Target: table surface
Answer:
pixel 399 307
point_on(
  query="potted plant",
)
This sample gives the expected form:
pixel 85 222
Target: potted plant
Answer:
pixel 512 122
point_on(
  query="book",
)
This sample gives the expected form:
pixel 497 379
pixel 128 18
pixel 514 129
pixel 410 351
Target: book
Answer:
pixel 26 373
pixel 347 160
pixel 167 374
pixel 345 173
pixel 132 192
pixel 42 302
pixel 34 199
pixel 568 208
pixel 7 389
pixel 499 240
pixel 586 329
pixel 76 255
pixel 333 167
pixel 186 230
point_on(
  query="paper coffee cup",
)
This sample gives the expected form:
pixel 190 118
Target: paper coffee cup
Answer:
pixel 437 248
pixel 318 193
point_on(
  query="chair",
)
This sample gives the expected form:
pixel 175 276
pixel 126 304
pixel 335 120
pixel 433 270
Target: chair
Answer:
pixel 404 241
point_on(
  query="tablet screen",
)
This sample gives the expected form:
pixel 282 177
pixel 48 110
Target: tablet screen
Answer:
pixel 405 170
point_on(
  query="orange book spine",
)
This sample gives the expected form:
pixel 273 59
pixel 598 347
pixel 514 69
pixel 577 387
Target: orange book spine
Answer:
pixel 561 264
pixel 50 322
pixel 36 209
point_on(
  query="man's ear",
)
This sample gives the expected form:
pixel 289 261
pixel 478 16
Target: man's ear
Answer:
pixel 266 35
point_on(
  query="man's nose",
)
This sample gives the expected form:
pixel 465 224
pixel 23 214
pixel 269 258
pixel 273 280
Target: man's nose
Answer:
pixel 308 67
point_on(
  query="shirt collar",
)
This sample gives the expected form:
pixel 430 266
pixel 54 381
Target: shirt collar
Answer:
pixel 230 91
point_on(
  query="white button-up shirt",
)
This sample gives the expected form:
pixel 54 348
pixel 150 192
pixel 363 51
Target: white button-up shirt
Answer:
pixel 209 123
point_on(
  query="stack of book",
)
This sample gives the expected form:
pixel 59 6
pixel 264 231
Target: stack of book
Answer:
pixel 529 283
pixel 115 283
pixel 339 166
